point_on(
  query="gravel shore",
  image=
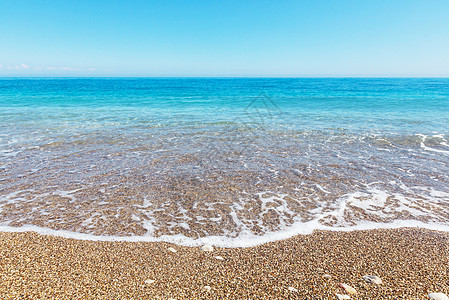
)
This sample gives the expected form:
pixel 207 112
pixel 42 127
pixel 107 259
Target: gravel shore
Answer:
pixel 410 262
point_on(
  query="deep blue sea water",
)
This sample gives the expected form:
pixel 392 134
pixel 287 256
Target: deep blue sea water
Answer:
pixel 236 161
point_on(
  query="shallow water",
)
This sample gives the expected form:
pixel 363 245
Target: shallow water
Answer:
pixel 227 160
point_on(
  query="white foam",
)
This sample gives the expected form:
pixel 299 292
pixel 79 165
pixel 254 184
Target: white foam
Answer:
pixel 8 153
pixel 423 145
pixel 245 239
pixel 371 198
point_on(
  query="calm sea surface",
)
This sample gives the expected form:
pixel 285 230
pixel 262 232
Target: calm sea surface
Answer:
pixel 233 162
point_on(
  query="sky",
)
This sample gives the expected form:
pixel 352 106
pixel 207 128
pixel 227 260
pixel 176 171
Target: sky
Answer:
pixel 232 38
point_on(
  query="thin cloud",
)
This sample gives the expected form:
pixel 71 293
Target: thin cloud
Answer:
pixel 22 66
pixel 50 68
pixel 63 69
pixel 70 69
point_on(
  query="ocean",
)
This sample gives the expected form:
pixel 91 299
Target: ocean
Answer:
pixel 228 161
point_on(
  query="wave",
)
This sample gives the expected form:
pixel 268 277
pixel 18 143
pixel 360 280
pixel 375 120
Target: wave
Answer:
pixel 244 240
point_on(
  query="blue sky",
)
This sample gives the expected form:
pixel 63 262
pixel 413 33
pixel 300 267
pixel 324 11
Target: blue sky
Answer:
pixel 224 38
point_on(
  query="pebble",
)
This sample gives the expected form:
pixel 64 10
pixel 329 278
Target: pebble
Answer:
pixel 150 281
pixel 207 288
pixel 349 289
pixel 372 279
pixel 438 296
pixel 171 249
pixel 219 257
pixel 342 297
pixel 292 289
pixel 207 248
pixel 123 271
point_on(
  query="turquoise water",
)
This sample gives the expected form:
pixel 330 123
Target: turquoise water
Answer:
pixel 359 104
pixel 229 158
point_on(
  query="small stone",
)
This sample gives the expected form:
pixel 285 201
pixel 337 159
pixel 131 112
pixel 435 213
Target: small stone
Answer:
pixel 207 288
pixel 372 279
pixel 349 289
pixel 438 296
pixel 207 248
pixel 327 276
pixel 219 257
pixel 292 289
pixel 171 249
pixel 342 297
pixel 150 281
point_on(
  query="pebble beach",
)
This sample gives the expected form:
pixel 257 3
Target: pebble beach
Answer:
pixel 224 150
pixel 411 264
